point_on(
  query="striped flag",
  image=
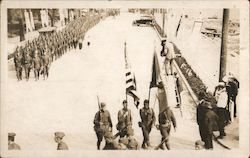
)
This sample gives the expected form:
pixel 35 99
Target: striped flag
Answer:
pixel 130 80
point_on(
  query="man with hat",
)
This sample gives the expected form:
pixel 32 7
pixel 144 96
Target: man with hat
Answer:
pixel 102 123
pixel 206 119
pixel 124 120
pixel 147 121
pixel 58 139
pixel 11 142
pixel 110 144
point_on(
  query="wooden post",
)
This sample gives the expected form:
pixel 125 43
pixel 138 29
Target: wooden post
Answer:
pixel 223 53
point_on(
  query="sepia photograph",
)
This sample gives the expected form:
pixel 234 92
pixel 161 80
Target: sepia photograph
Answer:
pixel 157 79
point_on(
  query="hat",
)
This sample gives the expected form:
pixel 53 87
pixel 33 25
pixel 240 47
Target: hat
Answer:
pixel 103 104
pixel 221 84
pixel 124 101
pixel 146 101
pixel 130 131
pixel 59 134
pixel 108 135
pixel 11 134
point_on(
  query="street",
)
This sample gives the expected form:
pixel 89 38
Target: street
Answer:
pixel 67 100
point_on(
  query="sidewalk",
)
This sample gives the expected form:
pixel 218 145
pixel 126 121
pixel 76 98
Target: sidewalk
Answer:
pixel 188 120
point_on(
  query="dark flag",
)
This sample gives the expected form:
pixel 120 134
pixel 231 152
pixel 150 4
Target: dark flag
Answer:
pixel 130 81
pixel 156 78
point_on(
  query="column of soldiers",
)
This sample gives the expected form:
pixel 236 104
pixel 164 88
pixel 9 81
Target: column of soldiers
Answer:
pixel 103 127
pixel 39 53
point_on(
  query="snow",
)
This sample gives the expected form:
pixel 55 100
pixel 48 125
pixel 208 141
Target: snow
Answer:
pixel 67 100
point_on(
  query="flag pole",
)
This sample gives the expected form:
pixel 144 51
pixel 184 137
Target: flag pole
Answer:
pixel 125 55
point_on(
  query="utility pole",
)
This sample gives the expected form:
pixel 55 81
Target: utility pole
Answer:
pixel 223 53
pixel 163 22
pixel 21 25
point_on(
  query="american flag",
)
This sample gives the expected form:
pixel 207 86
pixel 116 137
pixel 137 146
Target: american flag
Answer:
pixel 130 80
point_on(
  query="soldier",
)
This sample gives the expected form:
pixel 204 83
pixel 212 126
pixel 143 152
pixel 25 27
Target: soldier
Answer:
pixel 37 66
pixel 168 52
pixel 27 65
pixel 147 121
pixel 11 142
pixel 102 123
pixel 165 119
pixel 45 64
pixel 58 139
pixel 132 142
pixel 110 143
pixel 18 61
pixel 124 120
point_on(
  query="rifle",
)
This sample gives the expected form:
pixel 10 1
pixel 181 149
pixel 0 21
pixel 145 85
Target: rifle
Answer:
pixel 118 133
pixel 162 142
pixel 98 101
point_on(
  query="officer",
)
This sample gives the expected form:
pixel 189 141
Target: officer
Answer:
pixel 102 123
pixel 166 117
pixel 58 139
pixel 124 120
pixel 11 142
pixel 147 121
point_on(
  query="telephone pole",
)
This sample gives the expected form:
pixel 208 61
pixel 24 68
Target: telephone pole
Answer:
pixel 223 53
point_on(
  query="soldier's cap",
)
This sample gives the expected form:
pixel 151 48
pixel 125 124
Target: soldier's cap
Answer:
pixel 130 131
pixel 11 134
pixel 221 84
pixel 59 134
pixel 160 84
pixel 103 104
pixel 124 101
pixel 108 135
pixel 146 101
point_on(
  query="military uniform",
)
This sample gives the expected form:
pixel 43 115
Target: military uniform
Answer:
pixel 110 143
pixel 102 123
pixel 124 121
pixel 37 66
pixel 147 121
pixel 45 64
pixel 18 60
pixel 61 145
pixel 27 65
pixel 11 144
pixel 165 119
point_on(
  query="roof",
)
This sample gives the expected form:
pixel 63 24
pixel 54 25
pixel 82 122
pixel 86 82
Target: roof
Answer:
pixel 47 29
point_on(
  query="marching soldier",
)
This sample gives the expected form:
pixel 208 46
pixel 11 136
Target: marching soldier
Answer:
pixel 58 139
pixel 27 65
pixel 102 123
pixel 124 120
pixel 37 66
pixel 147 121
pixel 45 64
pixel 18 61
pixel 11 142
pixel 165 119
